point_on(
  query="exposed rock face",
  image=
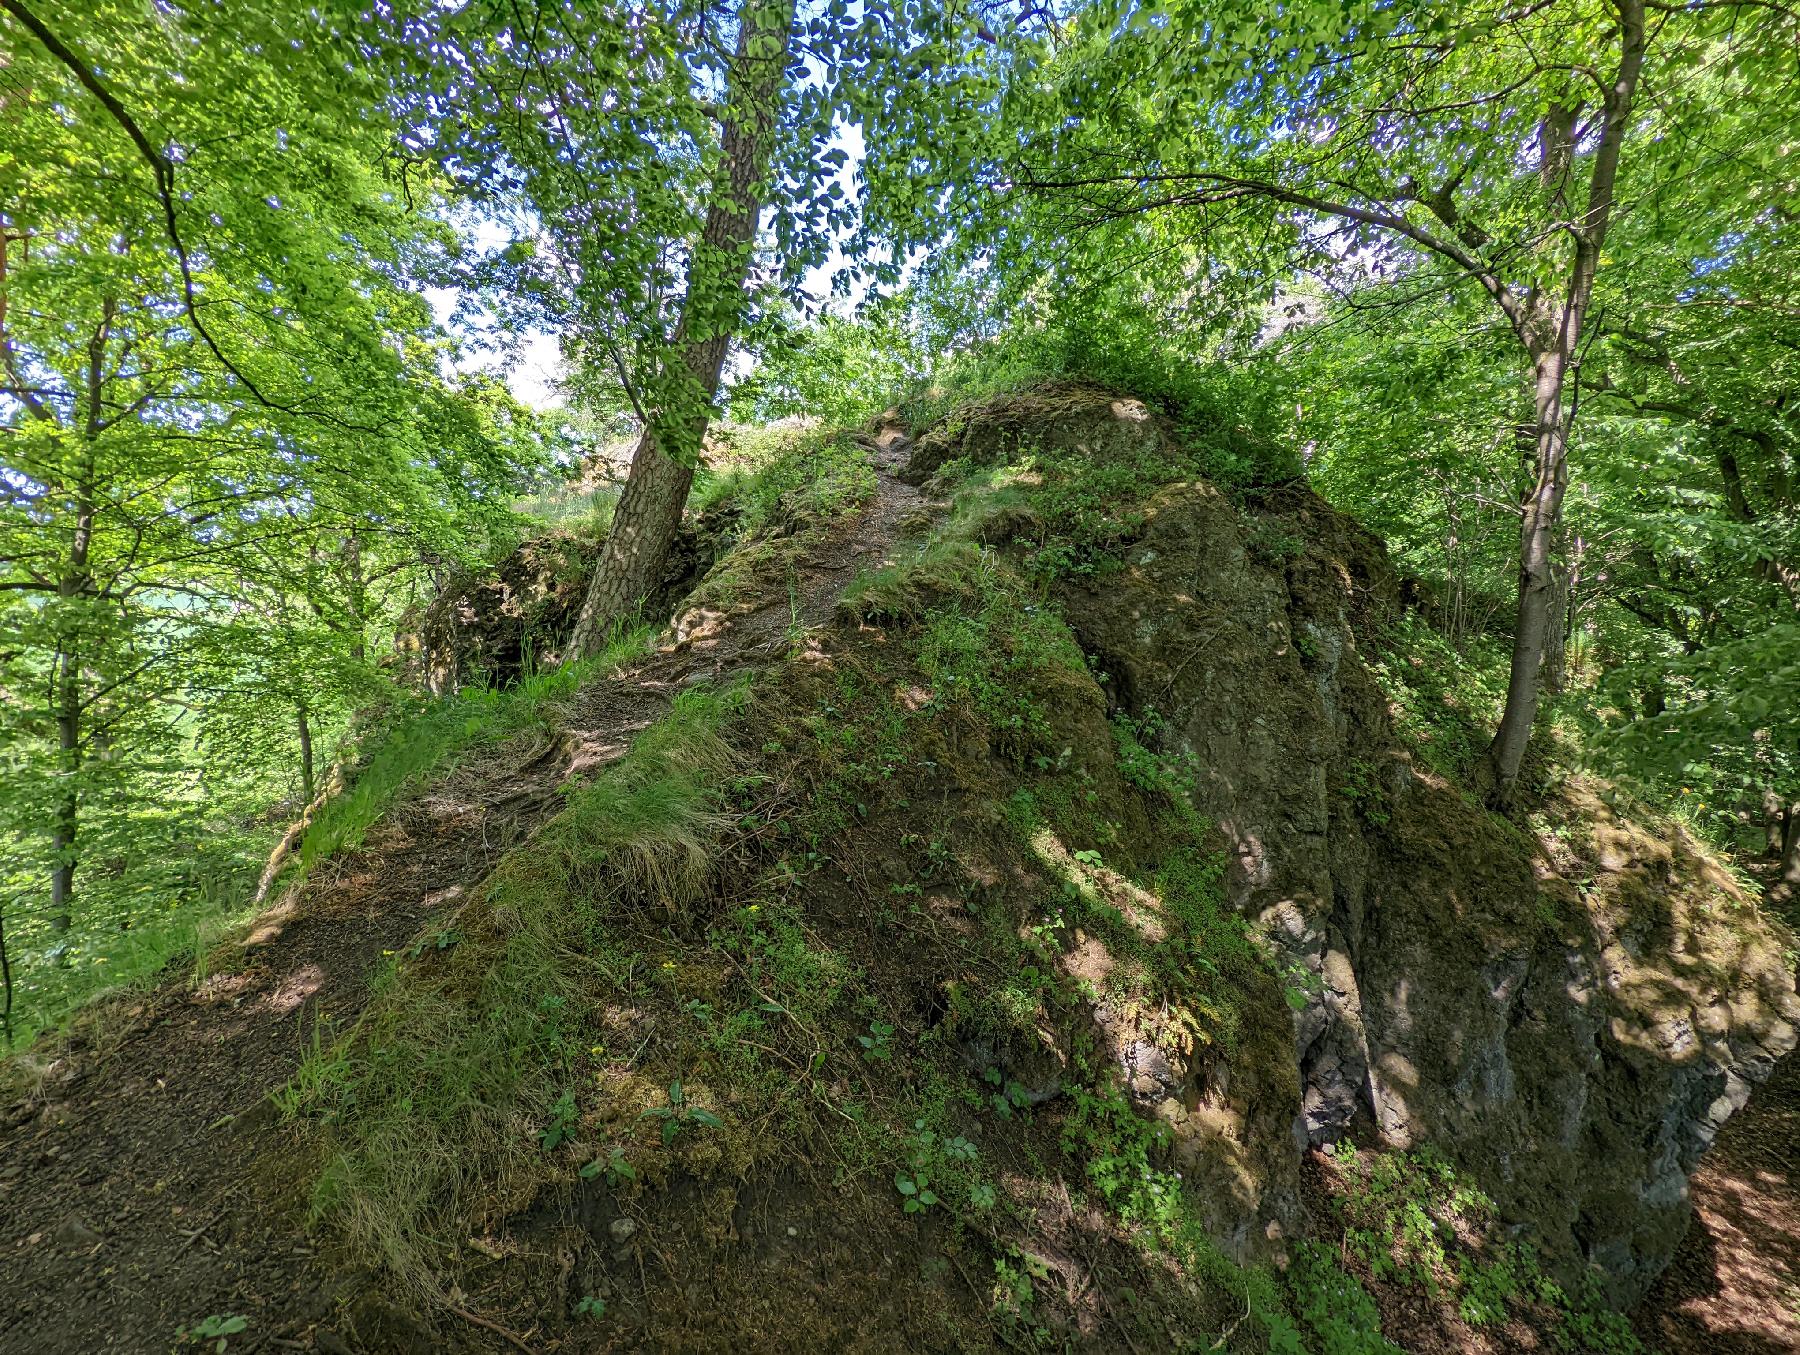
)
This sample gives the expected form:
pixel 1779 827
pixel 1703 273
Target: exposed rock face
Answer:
pixel 1569 1021
pixel 492 627
pixel 488 627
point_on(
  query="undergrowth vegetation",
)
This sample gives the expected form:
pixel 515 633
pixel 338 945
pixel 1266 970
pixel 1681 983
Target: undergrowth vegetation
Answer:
pixel 437 1105
pixel 1408 1218
pixel 430 738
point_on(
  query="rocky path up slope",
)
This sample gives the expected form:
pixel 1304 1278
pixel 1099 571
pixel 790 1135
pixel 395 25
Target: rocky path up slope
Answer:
pixel 146 1182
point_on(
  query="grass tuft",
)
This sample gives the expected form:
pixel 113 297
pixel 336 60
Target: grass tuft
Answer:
pixel 431 739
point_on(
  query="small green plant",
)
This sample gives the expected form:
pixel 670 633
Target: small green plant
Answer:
pixel 563 1118
pixel 1269 544
pixel 589 1307
pixel 1333 1307
pixel 929 1153
pixel 1165 774
pixel 1015 1294
pixel 440 940
pixel 959 1149
pixel 680 1115
pixel 915 1190
pixel 1363 788
pixel 1010 1095
pixel 216 1330
pixel 878 1044
pixel 1300 986
pixel 613 1166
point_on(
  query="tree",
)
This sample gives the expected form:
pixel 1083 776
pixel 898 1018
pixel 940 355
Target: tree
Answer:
pixel 675 140
pixel 662 468
pixel 1454 144
pixel 220 397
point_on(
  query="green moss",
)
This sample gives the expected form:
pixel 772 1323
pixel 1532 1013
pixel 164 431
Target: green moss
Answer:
pixel 788 490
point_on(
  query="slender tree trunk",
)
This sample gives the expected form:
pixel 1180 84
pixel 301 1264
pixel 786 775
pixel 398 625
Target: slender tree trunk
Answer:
pixel 65 816
pixel 72 588
pixel 1556 648
pixel 66 710
pixel 1786 887
pixel 1542 511
pixel 1553 347
pixel 1778 572
pixel 662 469
pixel 1775 820
pixel 306 754
pixel 357 596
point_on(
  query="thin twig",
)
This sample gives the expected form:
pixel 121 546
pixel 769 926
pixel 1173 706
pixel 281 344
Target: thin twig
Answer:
pixel 517 1341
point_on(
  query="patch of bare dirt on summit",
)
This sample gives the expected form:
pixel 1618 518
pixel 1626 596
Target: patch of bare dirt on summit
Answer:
pixel 145 1182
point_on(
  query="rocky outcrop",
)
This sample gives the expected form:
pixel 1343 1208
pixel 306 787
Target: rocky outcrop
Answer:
pixel 1568 1014
pixel 492 626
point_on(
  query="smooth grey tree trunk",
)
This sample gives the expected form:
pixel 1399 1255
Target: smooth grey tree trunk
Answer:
pixel 1551 330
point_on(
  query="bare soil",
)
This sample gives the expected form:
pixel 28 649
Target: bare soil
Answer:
pixel 1734 1287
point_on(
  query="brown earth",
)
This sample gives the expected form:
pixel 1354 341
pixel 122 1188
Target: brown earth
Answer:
pixel 1734 1286
pixel 145 1182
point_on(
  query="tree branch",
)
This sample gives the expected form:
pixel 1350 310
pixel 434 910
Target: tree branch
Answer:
pixel 163 169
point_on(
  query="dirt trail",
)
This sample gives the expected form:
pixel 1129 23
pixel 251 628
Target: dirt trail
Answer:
pixel 146 1182
pixel 1734 1287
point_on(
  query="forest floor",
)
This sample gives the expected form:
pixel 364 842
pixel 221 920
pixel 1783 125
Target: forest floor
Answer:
pixel 1734 1285
pixel 146 1181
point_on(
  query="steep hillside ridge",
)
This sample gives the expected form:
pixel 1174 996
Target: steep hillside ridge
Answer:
pixel 1570 1015
pixel 146 1178
pixel 952 937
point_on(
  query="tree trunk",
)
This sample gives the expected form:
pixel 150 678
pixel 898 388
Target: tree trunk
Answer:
pixel 357 597
pixel 1556 648
pixel 1537 540
pixel 1785 888
pixel 306 756
pixel 65 817
pixel 72 587
pixel 1778 572
pixel 662 468
pixel 66 711
pixel 1553 348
